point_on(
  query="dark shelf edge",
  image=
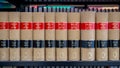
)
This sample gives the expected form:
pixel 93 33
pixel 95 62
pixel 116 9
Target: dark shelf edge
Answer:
pixel 59 63
pixel 19 2
pixel 8 9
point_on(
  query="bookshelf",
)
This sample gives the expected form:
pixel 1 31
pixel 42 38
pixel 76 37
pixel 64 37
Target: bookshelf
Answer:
pixel 21 3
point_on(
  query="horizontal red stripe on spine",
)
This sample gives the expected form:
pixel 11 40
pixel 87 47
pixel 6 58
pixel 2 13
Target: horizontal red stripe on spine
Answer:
pixel 61 25
pixel 14 25
pixel 114 25
pixel 38 25
pixel 73 26
pixel 49 25
pixel 87 26
pixel 4 25
pixel 101 26
pixel 26 25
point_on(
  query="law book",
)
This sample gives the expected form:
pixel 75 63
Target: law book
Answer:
pixel 26 36
pixel 87 35
pixel 74 36
pixel 38 37
pixel 50 35
pixel 101 36
pixel 14 33
pixel 113 35
pixel 61 36
pixel 4 36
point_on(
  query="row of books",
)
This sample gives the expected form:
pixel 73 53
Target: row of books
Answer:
pixel 59 36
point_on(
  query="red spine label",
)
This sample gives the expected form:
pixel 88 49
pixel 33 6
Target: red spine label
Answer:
pixel 61 25
pixel 113 25
pixel 4 25
pixel 87 26
pixel 14 25
pixel 26 25
pixel 49 25
pixel 101 26
pixel 73 26
pixel 38 25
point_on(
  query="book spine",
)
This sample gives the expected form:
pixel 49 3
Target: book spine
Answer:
pixel 38 36
pixel 50 35
pixel 87 36
pixel 26 35
pixel 14 33
pixel 61 36
pixel 114 20
pixel 4 36
pixel 101 36
pixel 74 36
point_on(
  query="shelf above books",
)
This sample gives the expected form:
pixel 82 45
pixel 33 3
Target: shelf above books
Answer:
pixel 63 2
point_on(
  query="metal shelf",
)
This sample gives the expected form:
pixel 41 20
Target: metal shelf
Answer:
pixel 8 9
pixel 59 63
pixel 63 2
pixel 20 3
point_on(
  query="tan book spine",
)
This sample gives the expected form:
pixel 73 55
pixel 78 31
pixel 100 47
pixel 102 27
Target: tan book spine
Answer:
pixel 50 36
pixel 61 36
pixel 4 37
pixel 38 36
pixel 87 36
pixel 74 36
pixel 14 43
pixel 113 35
pixel 26 36
pixel 101 36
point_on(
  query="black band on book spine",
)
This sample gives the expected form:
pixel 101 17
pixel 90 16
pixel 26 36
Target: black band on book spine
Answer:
pixel 4 43
pixel 101 43
pixel 26 43
pixel 87 44
pixel 73 43
pixel 38 43
pixel 14 43
pixel 113 43
pixel 49 43
pixel 61 43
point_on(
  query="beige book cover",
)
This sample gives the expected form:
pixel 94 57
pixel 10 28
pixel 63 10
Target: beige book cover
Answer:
pixel 14 33
pixel 113 35
pixel 88 36
pixel 4 37
pixel 61 36
pixel 26 36
pixel 50 36
pixel 38 36
pixel 73 36
pixel 102 36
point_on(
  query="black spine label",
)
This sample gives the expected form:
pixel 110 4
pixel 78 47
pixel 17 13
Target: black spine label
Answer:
pixel 49 43
pixel 87 44
pixel 113 43
pixel 38 43
pixel 26 43
pixel 4 43
pixel 101 43
pixel 61 43
pixel 73 43
pixel 14 43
